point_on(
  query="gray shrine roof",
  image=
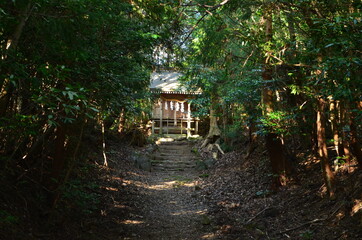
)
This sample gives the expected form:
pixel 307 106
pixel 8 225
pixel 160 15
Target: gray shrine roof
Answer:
pixel 167 82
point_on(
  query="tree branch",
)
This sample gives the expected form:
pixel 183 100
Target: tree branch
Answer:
pixel 212 8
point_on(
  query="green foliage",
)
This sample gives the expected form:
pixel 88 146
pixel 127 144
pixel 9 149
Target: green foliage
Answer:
pixel 308 234
pixel 278 122
pixel 65 67
pixel 7 218
pixel 313 52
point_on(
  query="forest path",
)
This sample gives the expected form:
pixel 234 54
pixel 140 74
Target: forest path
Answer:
pixel 167 199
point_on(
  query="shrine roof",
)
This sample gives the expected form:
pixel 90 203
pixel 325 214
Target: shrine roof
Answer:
pixel 168 82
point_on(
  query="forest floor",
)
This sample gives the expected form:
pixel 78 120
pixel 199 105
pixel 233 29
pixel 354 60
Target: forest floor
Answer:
pixel 232 199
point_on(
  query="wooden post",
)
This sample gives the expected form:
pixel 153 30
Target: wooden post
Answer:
pixel 167 126
pixel 153 126
pixel 161 116
pixel 189 120
pixel 196 126
pixel 174 117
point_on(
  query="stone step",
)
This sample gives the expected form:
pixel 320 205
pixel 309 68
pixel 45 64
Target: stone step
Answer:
pixel 174 143
pixel 175 153
pixel 173 163
pixel 171 169
pixel 175 158
pixel 180 151
pixel 171 145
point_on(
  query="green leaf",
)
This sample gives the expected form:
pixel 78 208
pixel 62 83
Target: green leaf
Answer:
pixel 329 45
pixel 94 109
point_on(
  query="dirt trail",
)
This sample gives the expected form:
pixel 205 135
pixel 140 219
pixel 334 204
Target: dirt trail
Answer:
pixel 167 204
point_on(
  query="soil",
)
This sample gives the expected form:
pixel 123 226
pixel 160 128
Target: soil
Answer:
pixel 138 204
pixel 233 199
pixel 161 204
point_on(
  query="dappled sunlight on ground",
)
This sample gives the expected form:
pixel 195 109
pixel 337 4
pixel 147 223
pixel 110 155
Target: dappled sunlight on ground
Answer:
pixel 357 207
pixel 127 222
pixel 161 185
pixel 183 212
pixel 162 204
pixel 164 207
pixel 110 188
pixel 209 236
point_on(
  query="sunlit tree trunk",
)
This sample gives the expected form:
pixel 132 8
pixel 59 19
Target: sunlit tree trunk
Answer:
pixel 333 117
pixel 252 138
pixel 322 147
pixel 121 121
pixel 214 131
pixel 279 163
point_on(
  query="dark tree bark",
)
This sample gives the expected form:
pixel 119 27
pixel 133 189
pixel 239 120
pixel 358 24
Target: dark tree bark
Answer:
pixel 356 147
pixel 59 153
pixel 345 115
pixel 322 148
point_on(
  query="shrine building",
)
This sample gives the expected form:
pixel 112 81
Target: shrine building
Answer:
pixel 172 110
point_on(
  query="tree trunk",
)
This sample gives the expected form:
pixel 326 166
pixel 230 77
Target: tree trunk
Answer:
pixel 252 138
pixel 279 163
pixel 121 122
pixel 214 131
pixel 356 147
pixel 322 148
pixel 334 126
pixel 6 88
pixel 59 153
pixel 225 121
pixel 345 133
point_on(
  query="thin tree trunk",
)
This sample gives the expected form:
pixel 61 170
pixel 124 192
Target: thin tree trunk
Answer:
pixel 345 134
pixel 105 163
pixel 322 148
pixel 122 120
pixel 252 138
pixel 333 119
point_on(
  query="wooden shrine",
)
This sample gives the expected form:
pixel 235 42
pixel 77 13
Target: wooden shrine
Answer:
pixel 172 110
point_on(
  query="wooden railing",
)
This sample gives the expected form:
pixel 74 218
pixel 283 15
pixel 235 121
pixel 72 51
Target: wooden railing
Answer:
pixel 178 126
